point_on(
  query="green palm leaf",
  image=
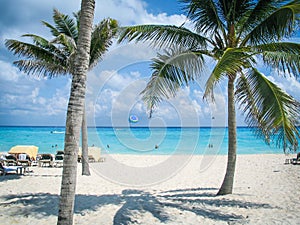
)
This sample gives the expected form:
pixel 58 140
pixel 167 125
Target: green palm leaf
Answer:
pixel 279 23
pixel 269 108
pixel 284 56
pixel 52 28
pixel 32 50
pixel 205 14
pixel 163 36
pixel 171 71
pixel 65 25
pixel 102 36
pixel 61 50
pixel 36 56
pixel 255 14
pixel 41 68
pixel 66 44
pixel 233 61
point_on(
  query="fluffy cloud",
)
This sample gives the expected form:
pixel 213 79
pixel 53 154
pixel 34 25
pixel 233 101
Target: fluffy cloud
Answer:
pixel 117 96
pixel 182 109
pixel 8 72
pixel 130 12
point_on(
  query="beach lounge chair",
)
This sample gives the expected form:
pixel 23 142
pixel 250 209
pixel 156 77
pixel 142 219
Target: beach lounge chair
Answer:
pixel 60 152
pixel 9 169
pixel 11 160
pixel 24 160
pixel 58 161
pixel 46 160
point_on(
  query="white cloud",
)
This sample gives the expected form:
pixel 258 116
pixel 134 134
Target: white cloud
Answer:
pixel 293 87
pixel 131 12
pixel 163 18
pixel 117 95
pixel 8 72
pixel 182 109
pixel 58 102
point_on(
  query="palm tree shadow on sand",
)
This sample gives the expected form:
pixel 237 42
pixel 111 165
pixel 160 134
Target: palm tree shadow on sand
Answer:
pixel 200 201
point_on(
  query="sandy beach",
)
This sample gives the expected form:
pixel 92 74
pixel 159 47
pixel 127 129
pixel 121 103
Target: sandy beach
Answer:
pixel 266 191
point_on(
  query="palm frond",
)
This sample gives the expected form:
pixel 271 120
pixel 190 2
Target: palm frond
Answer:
pixel 35 53
pixel 256 12
pixel 206 15
pixel 44 44
pixel 233 11
pixel 66 25
pixel 77 18
pixel 281 22
pixel 68 44
pixel 31 51
pixel 233 61
pixel 41 68
pixel 102 37
pixel 52 28
pixel 171 70
pixel 163 36
pixel 268 108
pixel 284 56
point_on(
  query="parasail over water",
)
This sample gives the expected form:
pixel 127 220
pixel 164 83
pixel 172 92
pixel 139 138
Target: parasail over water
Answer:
pixel 133 119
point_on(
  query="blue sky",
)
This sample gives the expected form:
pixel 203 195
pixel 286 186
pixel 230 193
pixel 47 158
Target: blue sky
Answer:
pixel 115 83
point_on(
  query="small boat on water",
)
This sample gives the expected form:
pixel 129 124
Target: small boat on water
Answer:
pixel 57 132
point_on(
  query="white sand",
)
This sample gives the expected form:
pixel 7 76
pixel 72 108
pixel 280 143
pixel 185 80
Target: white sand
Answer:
pixel 266 191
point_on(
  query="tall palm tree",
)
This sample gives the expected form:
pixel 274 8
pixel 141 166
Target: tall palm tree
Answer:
pixel 75 113
pixel 237 34
pixel 56 57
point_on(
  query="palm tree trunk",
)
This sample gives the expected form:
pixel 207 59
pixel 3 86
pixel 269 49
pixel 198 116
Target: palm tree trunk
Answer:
pixel 73 124
pixel 75 115
pixel 227 185
pixel 84 141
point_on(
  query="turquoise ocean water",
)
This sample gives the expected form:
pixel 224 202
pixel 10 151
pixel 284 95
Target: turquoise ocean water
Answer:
pixel 136 140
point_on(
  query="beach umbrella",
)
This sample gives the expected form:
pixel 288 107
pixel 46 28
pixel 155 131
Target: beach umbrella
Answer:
pixel 133 119
pixel 30 150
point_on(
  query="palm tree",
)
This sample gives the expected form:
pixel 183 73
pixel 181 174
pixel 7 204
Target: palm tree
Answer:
pixel 237 34
pixel 75 113
pixel 56 57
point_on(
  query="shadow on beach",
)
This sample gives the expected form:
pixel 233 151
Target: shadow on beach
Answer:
pixel 200 201
pixel 10 177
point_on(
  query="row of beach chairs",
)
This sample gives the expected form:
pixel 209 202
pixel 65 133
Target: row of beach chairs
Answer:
pixel 41 160
pixel 20 158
